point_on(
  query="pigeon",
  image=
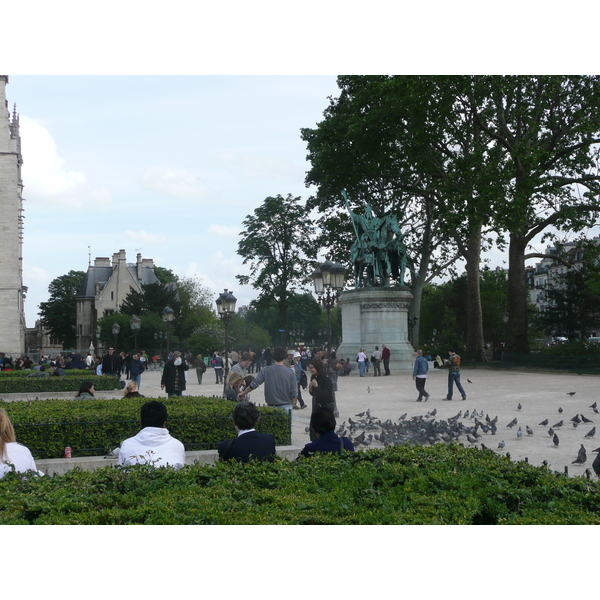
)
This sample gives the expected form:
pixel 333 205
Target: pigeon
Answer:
pixel 576 419
pixel 528 430
pixel 571 393
pixel 472 440
pixel 555 440
pixel 585 419
pixel 575 425
pixel 493 428
pixel 468 380
pixel 559 424
pixel 402 417
pixel 596 411
pixel 519 433
pixel 581 456
pixel 544 423
pixel 596 465
pixel 550 432
pixel 559 409
pixel 512 423
pixel 368 389
pixel 591 433
pixel 519 407
pixel 362 414
pixel 594 405
pixel 502 444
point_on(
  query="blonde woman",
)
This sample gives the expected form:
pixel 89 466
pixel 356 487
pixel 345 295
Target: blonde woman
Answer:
pixel 13 454
pixel 234 382
pixel 131 391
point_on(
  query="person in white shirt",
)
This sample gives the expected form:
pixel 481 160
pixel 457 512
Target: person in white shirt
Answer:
pixel 13 455
pixel 361 357
pixel 153 445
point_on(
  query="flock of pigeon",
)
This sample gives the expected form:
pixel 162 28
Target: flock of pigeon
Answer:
pixel 425 429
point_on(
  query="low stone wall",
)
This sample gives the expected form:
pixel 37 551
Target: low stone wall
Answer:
pixel 59 466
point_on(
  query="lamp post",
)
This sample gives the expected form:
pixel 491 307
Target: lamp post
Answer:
pixel 225 308
pixel 136 324
pixel 328 279
pixel 168 316
pixel 115 331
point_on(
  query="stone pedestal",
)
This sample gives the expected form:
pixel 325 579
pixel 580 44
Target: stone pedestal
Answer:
pixel 373 317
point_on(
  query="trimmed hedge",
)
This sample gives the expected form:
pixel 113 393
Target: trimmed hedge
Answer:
pixel 443 484
pixel 21 384
pixel 95 427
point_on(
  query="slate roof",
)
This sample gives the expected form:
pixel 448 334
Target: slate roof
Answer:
pixel 103 274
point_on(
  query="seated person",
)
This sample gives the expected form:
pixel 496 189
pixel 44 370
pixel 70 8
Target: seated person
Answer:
pixel 86 391
pixel 249 443
pixel 347 367
pixel 39 371
pixel 153 445
pixel 322 422
pixel 13 455
pixel 234 382
pixel 131 391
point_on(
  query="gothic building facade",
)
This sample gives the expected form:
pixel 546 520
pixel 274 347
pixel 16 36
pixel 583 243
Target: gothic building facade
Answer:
pixel 12 291
pixel 104 288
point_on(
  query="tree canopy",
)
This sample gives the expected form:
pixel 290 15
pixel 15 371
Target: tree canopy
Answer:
pixel 278 244
pixel 58 314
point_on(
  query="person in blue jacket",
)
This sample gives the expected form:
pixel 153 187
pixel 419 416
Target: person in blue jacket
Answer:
pixel 322 423
pixel 420 375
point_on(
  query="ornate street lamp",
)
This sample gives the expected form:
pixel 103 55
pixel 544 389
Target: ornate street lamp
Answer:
pixel 115 331
pixel 225 308
pixel 168 316
pixel 328 279
pixel 136 324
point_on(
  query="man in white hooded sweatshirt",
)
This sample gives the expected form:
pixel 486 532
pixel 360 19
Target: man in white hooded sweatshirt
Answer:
pixel 153 444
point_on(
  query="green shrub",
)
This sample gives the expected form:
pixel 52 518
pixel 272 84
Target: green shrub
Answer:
pixel 396 485
pixel 94 427
pixel 22 384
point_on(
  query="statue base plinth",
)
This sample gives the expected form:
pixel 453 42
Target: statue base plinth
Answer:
pixel 373 317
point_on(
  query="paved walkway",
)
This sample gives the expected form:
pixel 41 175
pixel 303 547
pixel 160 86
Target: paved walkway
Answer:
pixel 493 392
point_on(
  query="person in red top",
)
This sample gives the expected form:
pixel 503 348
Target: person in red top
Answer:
pixel 385 357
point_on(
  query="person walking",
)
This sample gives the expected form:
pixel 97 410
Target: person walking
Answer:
pixel 218 367
pixel 385 357
pixel 453 364
pixel 173 377
pixel 420 375
pixel 136 368
pixel 200 368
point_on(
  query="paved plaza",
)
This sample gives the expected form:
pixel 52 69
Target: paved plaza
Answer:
pixel 495 392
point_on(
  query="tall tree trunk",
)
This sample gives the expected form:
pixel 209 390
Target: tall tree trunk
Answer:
pixel 475 342
pixel 517 341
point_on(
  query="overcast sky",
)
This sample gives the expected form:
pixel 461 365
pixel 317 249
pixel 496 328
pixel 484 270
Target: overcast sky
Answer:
pixel 167 166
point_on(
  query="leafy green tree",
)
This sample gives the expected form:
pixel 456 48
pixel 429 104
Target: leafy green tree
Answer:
pixel 59 313
pixel 547 128
pixel 277 243
pixel 153 298
pixel 425 162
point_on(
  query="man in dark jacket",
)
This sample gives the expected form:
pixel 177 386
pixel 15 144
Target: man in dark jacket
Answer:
pixel 322 422
pixel 249 443
pixel 173 377
pixel 110 363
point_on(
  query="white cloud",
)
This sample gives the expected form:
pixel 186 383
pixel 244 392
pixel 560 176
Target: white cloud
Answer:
pixel 44 172
pixel 35 273
pixel 145 237
pixel 252 166
pixel 179 183
pixel 224 231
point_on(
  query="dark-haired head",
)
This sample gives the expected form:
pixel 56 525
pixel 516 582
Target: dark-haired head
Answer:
pixel 245 415
pixel 317 363
pixel 279 354
pixel 322 420
pixel 153 414
pixel 87 388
